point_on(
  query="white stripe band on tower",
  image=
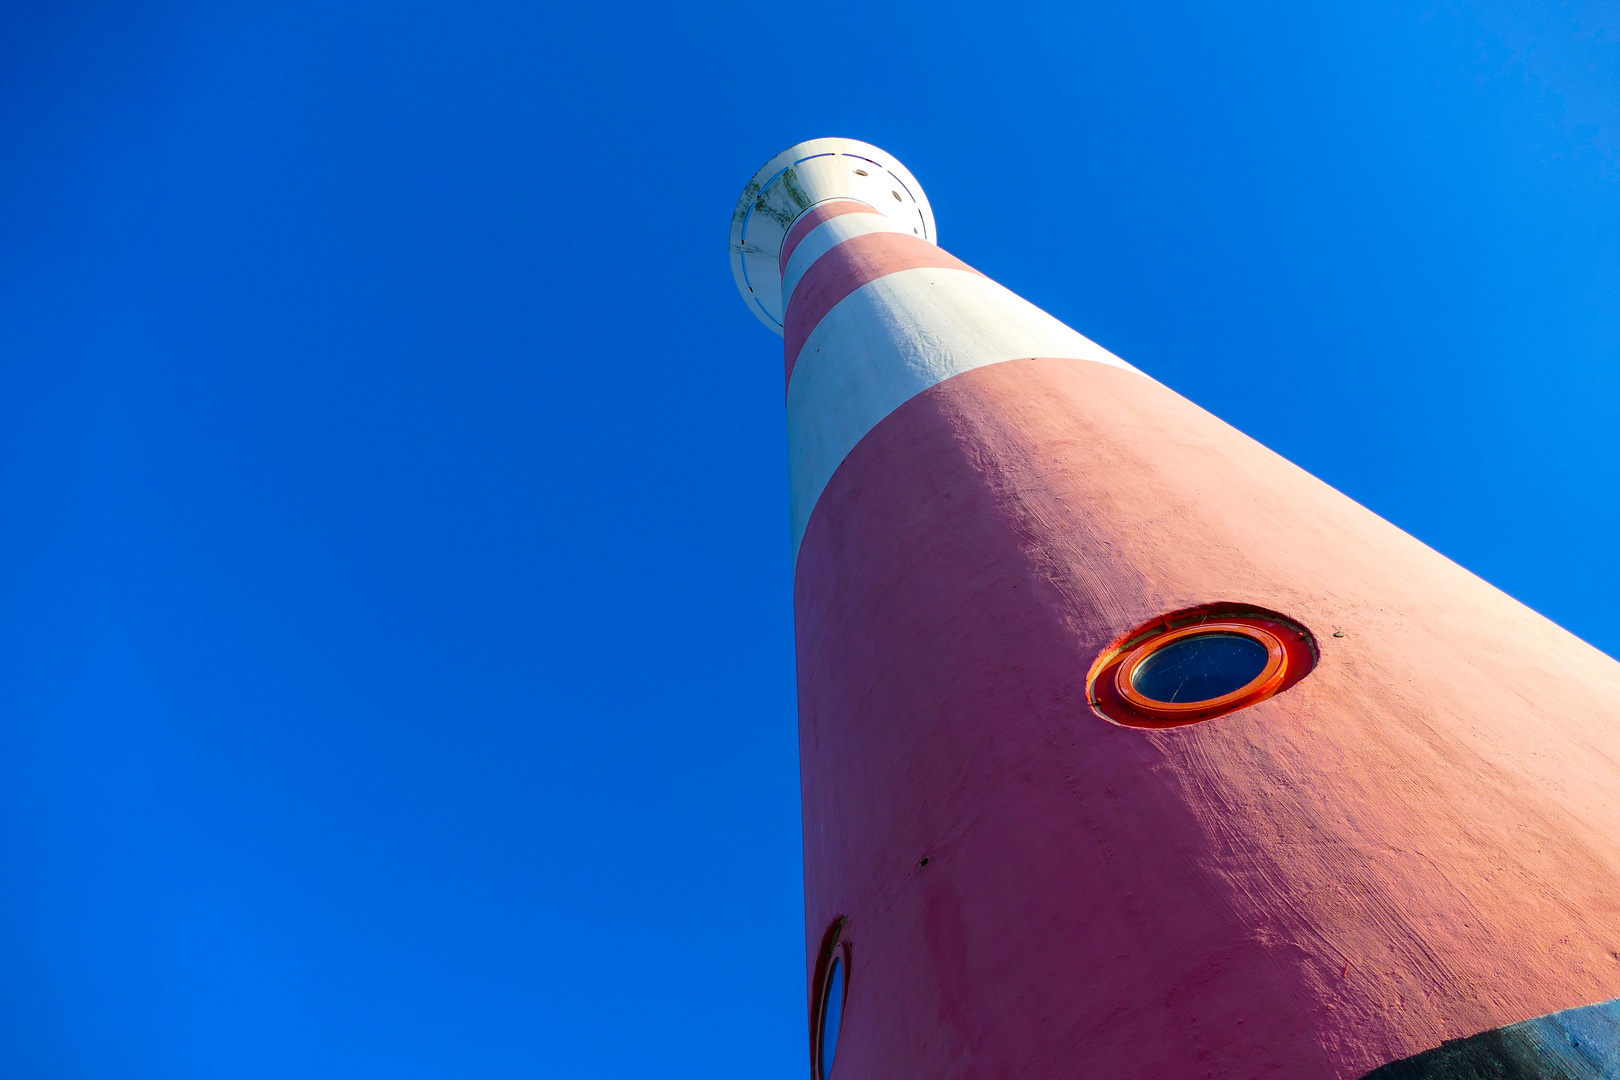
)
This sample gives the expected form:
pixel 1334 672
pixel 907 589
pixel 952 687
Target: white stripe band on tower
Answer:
pixel 828 235
pixel 890 340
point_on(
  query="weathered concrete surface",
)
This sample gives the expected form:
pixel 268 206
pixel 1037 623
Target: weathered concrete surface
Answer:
pixel 1419 841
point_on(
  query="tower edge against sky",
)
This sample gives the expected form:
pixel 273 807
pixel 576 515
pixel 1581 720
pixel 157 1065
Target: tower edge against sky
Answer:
pixel 1407 836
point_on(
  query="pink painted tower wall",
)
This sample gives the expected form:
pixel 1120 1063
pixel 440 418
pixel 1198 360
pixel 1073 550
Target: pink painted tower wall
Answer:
pixel 1417 841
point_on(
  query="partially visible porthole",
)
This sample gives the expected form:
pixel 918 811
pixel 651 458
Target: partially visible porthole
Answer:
pixel 1198 664
pixel 832 1011
pixel 830 992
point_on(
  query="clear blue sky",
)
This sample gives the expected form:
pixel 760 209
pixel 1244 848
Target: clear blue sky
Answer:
pixel 396 671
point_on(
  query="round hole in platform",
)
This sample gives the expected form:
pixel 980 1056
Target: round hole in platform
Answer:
pixel 1197 664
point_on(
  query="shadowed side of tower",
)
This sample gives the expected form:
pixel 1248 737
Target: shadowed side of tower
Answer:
pixel 1409 839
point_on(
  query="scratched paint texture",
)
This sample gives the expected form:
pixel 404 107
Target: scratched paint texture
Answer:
pixel 1416 843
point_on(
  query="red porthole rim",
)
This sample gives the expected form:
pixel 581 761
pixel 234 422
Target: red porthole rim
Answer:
pixel 834 946
pixel 1291 654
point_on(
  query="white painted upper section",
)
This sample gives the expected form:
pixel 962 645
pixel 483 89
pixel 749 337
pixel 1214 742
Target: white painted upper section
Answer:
pixel 890 340
pixel 795 180
pixel 828 235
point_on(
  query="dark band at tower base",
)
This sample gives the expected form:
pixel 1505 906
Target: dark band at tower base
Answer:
pixel 1577 1044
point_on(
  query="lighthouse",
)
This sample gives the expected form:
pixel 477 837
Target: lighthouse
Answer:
pixel 1129 750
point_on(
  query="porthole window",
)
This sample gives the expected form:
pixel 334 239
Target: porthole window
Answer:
pixel 1198 664
pixel 832 1011
pixel 830 993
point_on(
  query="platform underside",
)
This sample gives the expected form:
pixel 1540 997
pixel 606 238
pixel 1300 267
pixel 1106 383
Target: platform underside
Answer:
pixel 1576 1044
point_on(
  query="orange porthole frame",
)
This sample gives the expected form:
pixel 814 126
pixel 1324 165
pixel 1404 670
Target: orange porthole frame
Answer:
pixel 1291 653
pixel 834 946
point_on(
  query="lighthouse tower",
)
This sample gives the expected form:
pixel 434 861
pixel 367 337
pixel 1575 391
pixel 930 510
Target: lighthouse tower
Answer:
pixel 1129 749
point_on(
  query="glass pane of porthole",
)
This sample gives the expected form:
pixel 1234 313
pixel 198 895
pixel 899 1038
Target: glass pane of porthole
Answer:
pixel 832 1016
pixel 1199 668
